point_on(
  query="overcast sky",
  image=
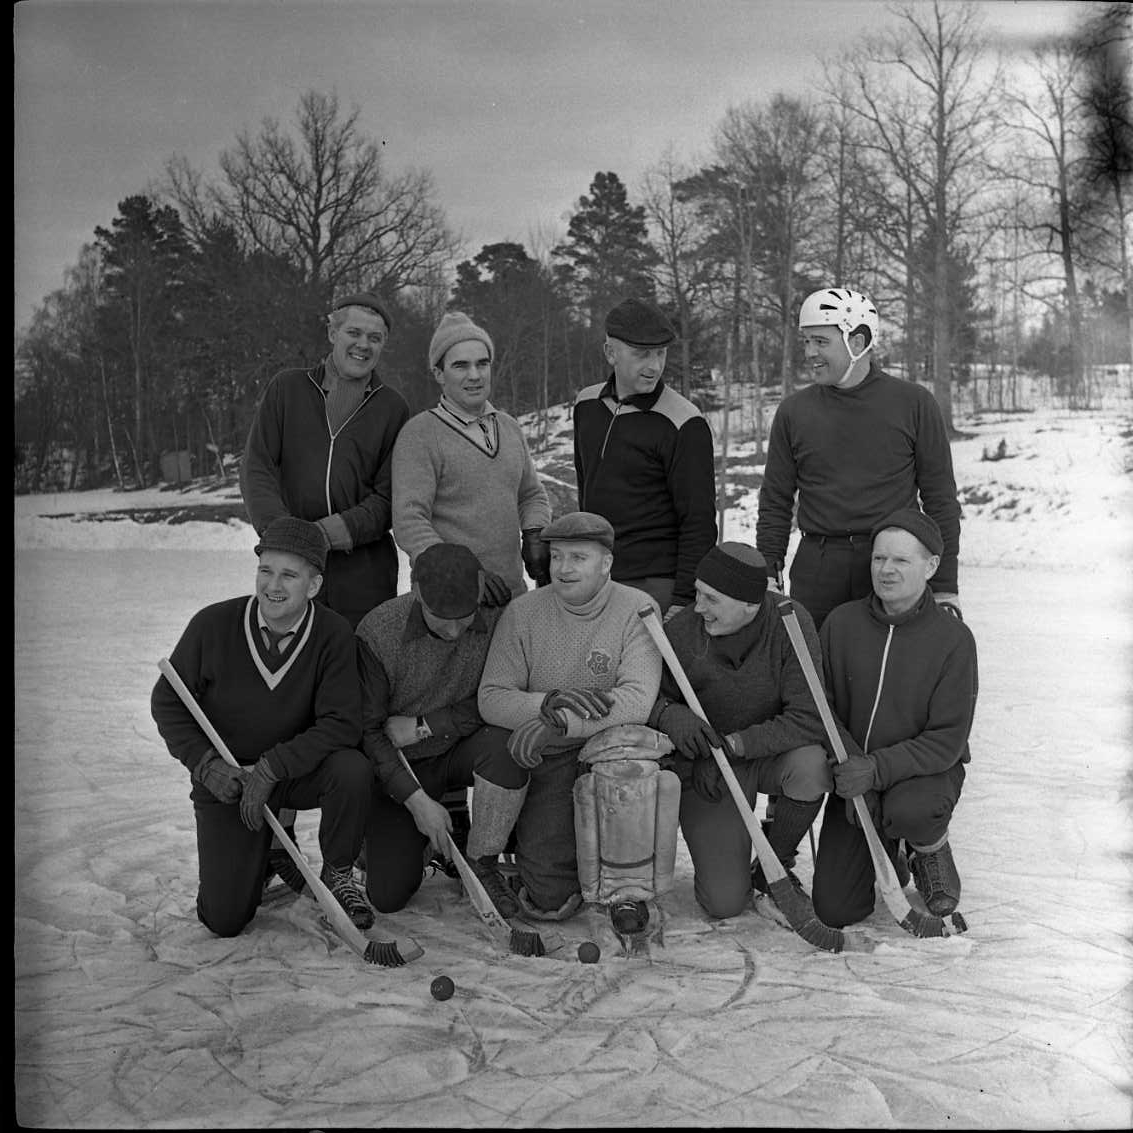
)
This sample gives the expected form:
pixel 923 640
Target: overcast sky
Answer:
pixel 513 105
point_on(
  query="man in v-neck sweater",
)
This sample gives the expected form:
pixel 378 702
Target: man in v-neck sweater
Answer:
pixel 275 673
pixel 462 471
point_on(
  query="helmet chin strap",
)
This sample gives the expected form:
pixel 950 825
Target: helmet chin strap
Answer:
pixel 854 358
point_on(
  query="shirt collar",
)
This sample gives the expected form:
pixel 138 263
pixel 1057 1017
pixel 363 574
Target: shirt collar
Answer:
pixel 461 416
pixel 293 628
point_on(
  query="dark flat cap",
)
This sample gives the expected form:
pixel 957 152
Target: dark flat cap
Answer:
pixel 577 527
pixel 366 299
pixel 447 576
pixel 297 537
pixel 914 521
pixel 640 324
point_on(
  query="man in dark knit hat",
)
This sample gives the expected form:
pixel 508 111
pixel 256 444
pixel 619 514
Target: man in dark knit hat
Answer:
pixel 738 658
pixel 643 458
pixel 421 656
pixel 462 471
pixel 320 448
pixel 275 673
pixel 902 678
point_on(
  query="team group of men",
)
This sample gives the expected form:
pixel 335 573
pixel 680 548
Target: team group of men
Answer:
pixel 522 641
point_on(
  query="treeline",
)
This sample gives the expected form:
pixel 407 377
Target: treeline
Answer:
pixel 982 199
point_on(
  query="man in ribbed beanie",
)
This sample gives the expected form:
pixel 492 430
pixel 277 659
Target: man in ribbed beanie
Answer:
pixel 736 654
pixel 462 471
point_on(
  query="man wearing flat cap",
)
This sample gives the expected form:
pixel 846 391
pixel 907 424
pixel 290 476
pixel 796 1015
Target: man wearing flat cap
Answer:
pixel 275 673
pixel 643 458
pixel 902 680
pixel 320 448
pixel 567 661
pixel 420 659
pixel 462 471
pixel 738 658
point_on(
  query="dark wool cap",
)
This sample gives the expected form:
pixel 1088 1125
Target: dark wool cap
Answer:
pixel 579 526
pixel 366 299
pixel 640 324
pixel 447 576
pixel 735 569
pixel 916 523
pixel 297 537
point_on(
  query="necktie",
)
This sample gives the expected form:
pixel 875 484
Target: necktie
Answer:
pixel 275 641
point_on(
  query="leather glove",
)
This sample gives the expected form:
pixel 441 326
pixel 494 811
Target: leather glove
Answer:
pixel 854 777
pixel 224 781
pixel 671 613
pixel 951 603
pixel 586 703
pixel 536 556
pixel 526 743
pixel 257 791
pixel 691 735
pixel 496 591
pixel 708 780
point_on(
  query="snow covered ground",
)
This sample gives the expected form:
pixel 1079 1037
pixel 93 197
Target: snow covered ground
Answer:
pixel 129 1015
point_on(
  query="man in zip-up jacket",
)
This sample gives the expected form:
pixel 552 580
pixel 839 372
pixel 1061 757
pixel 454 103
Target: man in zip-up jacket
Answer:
pixel 902 679
pixel 643 459
pixel 320 448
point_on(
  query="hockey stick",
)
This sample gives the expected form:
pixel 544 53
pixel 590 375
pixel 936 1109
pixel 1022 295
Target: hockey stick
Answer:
pixel 911 920
pixel 519 941
pixel 795 906
pixel 387 953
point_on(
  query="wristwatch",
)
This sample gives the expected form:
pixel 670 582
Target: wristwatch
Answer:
pixel 424 732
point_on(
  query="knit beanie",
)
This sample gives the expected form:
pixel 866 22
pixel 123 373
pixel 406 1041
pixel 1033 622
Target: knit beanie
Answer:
pixel 297 537
pixel 735 569
pixel 914 521
pixel 368 299
pixel 457 327
pixel 447 577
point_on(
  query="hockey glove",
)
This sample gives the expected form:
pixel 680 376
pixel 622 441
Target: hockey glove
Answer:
pixel 526 743
pixel 854 777
pixel 496 591
pixel 691 735
pixel 224 781
pixel 951 603
pixel 586 703
pixel 257 791
pixel 536 557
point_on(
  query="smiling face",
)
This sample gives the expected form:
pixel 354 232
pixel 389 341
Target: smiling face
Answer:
pixel 900 568
pixel 579 569
pixel 637 369
pixel 825 356
pixel 284 584
pixel 721 613
pixel 465 376
pixel 357 336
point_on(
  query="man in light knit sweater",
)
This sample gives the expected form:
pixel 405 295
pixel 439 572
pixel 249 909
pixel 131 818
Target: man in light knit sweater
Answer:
pixel 566 662
pixel 420 658
pixel 739 661
pixel 462 471
pixel 854 446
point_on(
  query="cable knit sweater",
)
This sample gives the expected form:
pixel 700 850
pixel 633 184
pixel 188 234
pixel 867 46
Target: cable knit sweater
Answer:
pixel 541 644
pixel 446 489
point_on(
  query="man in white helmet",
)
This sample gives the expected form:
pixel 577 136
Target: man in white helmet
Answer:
pixel 852 447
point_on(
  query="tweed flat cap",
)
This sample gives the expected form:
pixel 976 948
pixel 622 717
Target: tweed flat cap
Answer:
pixel 640 324
pixel 577 527
pixel 367 299
pixel 297 537
pixel 914 521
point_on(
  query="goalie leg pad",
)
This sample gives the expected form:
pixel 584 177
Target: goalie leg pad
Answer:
pixel 626 820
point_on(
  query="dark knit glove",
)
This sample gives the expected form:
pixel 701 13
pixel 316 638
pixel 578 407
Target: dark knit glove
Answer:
pixel 221 779
pixel 257 791
pixel 536 557
pixel 496 591
pixel 691 735
pixel 526 743
pixel 708 780
pixel 854 777
pixel 585 703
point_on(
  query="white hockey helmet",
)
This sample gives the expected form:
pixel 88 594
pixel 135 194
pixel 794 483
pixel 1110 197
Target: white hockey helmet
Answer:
pixel 839 307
